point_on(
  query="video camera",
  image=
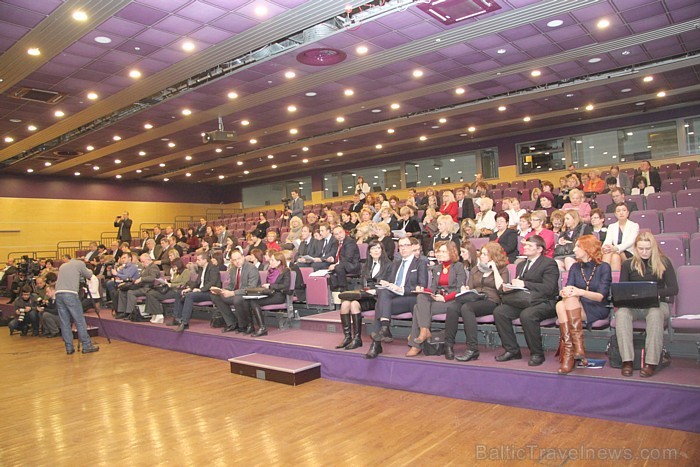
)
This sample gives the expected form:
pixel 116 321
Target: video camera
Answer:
pixel 285 202
pixel 28 266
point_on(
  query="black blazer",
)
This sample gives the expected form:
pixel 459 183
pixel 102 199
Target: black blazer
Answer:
pixel 212 278
pixel 411 225
pixel 509 242
pixel 124 232
pixel 382 274
pixel 416 275
pixel 541 279
pixel 312 249
pixel 654 178
pixel 631 207
pixel 357 207
pixel 467 211
pixel 389 247
pixel 282 283
pixel 349 253
pixel 330 250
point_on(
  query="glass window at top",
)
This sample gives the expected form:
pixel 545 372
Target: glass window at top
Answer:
pixel 273 193
pixel 541 156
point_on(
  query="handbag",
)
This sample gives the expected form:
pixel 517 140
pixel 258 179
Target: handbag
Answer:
pixel 217 320
pixel 564 250
pixel 520 299
pixel 638 341
pixel 162 288
pixel 354 295
pixel 434 345
pixel 259 291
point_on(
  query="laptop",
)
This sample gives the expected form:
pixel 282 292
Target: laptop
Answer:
pixel 635 294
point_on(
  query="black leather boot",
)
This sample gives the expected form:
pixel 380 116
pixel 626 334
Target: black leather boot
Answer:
pixel 258 319
pixel 374 349
pixel 356 331
pixel 250 329
pixel 345 321
pixel 449 351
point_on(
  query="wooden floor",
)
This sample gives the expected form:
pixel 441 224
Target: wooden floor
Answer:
pixel 135 405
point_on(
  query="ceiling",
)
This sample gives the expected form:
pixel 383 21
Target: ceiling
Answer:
pixel 243 50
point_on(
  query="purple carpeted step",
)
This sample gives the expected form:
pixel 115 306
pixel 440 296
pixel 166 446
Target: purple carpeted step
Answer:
pixel 322 322
pixel 273 368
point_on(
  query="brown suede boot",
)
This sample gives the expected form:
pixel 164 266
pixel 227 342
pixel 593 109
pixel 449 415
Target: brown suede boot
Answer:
pixel 566 358
pixel 576 328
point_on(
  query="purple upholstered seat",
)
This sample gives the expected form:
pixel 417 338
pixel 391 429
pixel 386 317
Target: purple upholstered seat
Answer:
pixel 688 198
pixel 660 201
pixel 687 300
pixel 647 220
pixel 681 220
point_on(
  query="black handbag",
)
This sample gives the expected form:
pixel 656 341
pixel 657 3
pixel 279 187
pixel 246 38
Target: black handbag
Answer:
pixel 353 295
pixel 162 288
pixel 520 299
pixel 564 250
pixel 217 320
pixel 259 291
pixel 434 345
pixel 638 341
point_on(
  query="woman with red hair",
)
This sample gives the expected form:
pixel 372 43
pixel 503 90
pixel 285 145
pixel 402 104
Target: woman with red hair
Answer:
pixel 584 298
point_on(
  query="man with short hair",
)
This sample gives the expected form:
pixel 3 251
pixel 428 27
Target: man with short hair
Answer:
pixel 650 174
pixel 540 276
pixel 126 308
pixel 327 250
pixel 163 260
pixel 123 223
pixel 618 197
pixel 312 220
pixel 347 260
pixel 405 273
pixel 125 271
pixel 242 275
pixel 157 234
pixel 69 306
pixel 465 206
pixel 201 231
pixel 621 179
pixel 357 203
pixel 198 291
pixel 92 252
pixel 297 207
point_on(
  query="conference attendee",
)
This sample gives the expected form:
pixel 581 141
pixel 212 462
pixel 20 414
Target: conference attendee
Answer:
pixel 524 226
pixel 572 183
pixel 327 250
pixel 621 179
pixel 538 221
pixel 374 270
pixel 425 202
pixel 25 312
pixel 48 314
pixel 386 215
pixel 294 234
pixel 465 206
pixel 641 187
pixel 196 291
pixel 126 307
pixel 595 184
pixel 296 208
pixel 447 232
pixel 361 187
pixel 69 306
pixel 357 203
pixel 486 218
pixel 449 206
pixel 505 237
pixel 576 202
pixel 618 197
pixel 382 233
pixel 448 279
pixel 610 184
pixel 346 222
pixel 584 300
pixel 540 276
pixel 179 277
pixel 157 234
pixel 486 277
pixel 262 226
pixel 271 241
pixel 620 238
pixel 209 236
pixel 192 240
pixel 242 275
pixel 546 203
pixel 574 228
pixel 395 297
pixel 407 223
pixel 468 254
pixel 278 281
pixel 256 257
pixel 650 175
pixel 647 264
pixel 201 231
pixel 91 253
pixel 123 224
pixel 346 261
pixel 598 224
pixel 468 229
pixel 125 271
pixel 312 220
pixel 556 221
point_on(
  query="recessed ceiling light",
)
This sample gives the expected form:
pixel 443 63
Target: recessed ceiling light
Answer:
pixel 589 107
pixel 116 138
pixel 305 161
pixel 117 176
pixel 311 94
pixel 305 148
pixel 625 90
pixel 245 122
pixel 379 146
pixel 221 177
pixel 246 172
pixel 117 161
pixel 361 50
pixel 395 106
pixel 77 174
pixel 31 128
pixel 661 94
pixel 274 166
pixel 261 10
pixel 9 139
pixel 34 51
pixel 571 94
pixel 594 60
pixel 443 120
pixel 166 179
pixel 138 171
pixel 187 46
pixel 188 158
pixel 435 127
pixel 165 139
pixel 423 138
pixel 80 15
pixel 502 108
pixel 340 119
pixel 459 91
pixel 390 131
pixel 417 73
pixel 142 153
pixel 291 108
pixel 135 74
pixel 348 92
pixel 59 113
pixel 270 156
pixel 603 23
pixel 640 103
pixel 376 111
pixel 171 144
pixel 232 95
pixel 339 154
pixel 47 164
pixel 555 23
pixel 103 40
pixel 526 119
pixel 188 174
pixel 95 167
pixel 253 141
pixel 239 163
pixel 626 52
pixel 186 112
pixel 471 129
pixel 535 73
pixel 501 51
pixel 648 79
pixel 92 96
pixel 218 150
pixel 293 131
pixel 14 120
pixel 290 75
pixel 162 164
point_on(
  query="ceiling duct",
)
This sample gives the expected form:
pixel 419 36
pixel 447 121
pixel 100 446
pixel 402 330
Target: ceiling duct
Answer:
pixel 39 95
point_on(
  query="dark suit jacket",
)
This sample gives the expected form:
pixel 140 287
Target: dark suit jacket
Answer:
pixel 312 248
pixel 509 242
pixel 250 278
pixel 201 231
pixel 124 232
pixel 330 250
pixel 283 281
pixel 416 275
pixel 350 254
pixel 357 207
pixel 157 238
pixel 383 273
pixel 297 207
pixel 631 206
pixel 150 274
pixel 654 178
pixel 467 211
pixel 542 279
pixel 457 277
pixel 212 278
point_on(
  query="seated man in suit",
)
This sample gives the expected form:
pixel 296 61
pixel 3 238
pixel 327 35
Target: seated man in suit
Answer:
pixel 621 179
pixel 125 271
pixel 650 174
pixel 347 260
pixel 618 197
pixel 357 203
pixel 196 292
pixel 328 250
pixel 309 246
pixel 406 274
pixel 242 275
pixel 465 206
pixel 540 275
pixel 126 306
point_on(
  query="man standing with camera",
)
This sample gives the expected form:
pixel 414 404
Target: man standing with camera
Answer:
pixel 68 303
pixel 123 223
pixel 296 209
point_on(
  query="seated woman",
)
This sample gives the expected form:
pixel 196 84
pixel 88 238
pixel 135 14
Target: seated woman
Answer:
pixel 355 218
pixel 538 220
pixel 524 226
pixel 449 277
pixel 192 241
pixel 229 247
pixel 574 228
pixel 271 241
pixel 486 218
pixel 595 184
pixel 468 229
pixel 382 233
pixel 255 257
pixel 514 212
pixel 648 263
pixel 374 270
pixel 364 230
pixel 619 240
pixel 576 201
pixel 217 260
pixel 278 280
pixel 584 298
pixel 572 183
pixel 261 229
pixel 209 236
pixel 255 242
pixel 556 220
pixel 294 235
pixel 332 219
pixel 204 248
pixel 486 278
pixel 180 235
pixel 387 215
pixel 468 255
pixel 407 223
pixel 598 224
pixel 430 229
pixel 179 276
pixel 641 187
pixel 366 215
pixel 447 232
pixel 505 237
pixel 545 202
pixel 449 206
pixel 346 221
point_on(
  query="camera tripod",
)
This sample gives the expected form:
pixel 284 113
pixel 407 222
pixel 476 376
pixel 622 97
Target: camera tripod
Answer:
pixel 96 307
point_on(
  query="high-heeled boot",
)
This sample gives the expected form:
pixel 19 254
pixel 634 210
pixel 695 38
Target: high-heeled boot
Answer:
pixel 251 328
pixel 576 328
pixel 356 332
pixel 566 357
pixel 345 321
pixel 258 320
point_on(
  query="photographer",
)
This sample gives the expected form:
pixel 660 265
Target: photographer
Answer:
pixel 68 303
pixel 25 309
pixel 48 314
pixel 123 223
pixel 296 209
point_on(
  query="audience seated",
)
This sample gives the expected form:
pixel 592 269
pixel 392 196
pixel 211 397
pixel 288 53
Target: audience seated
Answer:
pixel 598 224
pixel 576 202
pixel 595 184
pixel 179 277
pixel 26 313
pixel 278 281
pixel 621 179
pixel 346 261
pixel 126 304
pixel 620 238
pixel 574 228
pixel 449 206
pixel 486 218
pixel 641 187
pixel 618 197
pixel 196 291
pixel 506 237
pixel 242 275
pixel 465 205
pixel 649 174
pixel 447 232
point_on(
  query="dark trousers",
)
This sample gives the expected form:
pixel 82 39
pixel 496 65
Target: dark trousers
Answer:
pixel 321 265
pixel 154 297
pixel 223 306
pixel 530 319
pixel 341 271
pixel 388 304
pixel 183 308
pixel 468 312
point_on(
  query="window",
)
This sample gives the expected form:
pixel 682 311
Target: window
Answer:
pixel 541 156
pixel 266 195
pixel 691 136
pixel 448 169
pixel 381 178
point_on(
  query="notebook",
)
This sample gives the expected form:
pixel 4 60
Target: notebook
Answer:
pixel 635 294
